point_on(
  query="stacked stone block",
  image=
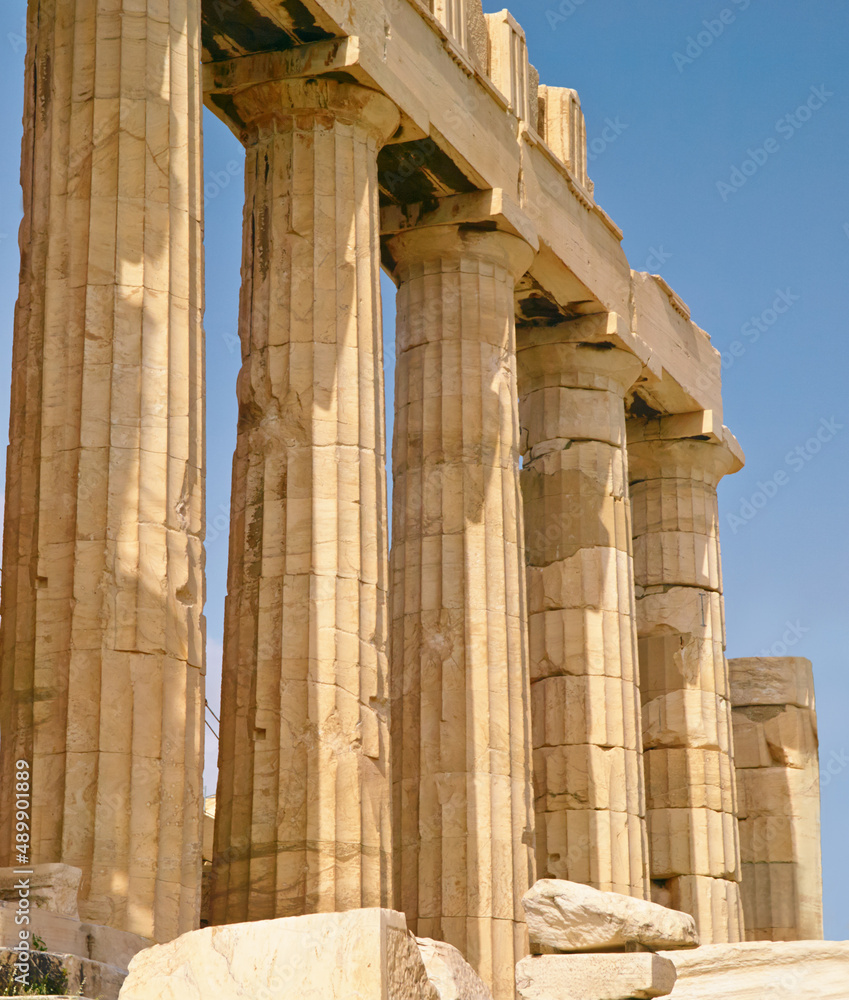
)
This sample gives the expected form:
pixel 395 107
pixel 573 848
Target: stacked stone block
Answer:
pixel 585 703
pixel 691 795
pixel 463 817
pixel 775 744
pixel 102 676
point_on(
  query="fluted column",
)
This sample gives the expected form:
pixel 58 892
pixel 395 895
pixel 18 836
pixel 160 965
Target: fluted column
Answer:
pixel 588 774
pixel 102 687
pixel 463 818
pixel 694 847
pixel 302 820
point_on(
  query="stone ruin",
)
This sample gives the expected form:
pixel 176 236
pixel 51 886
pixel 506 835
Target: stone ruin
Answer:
pixel 528 705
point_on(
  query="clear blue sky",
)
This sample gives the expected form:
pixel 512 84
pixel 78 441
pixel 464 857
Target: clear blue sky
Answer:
pixel 680 126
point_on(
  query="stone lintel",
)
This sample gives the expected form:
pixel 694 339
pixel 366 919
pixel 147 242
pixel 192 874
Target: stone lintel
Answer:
pixel 596 328
pixel 486 208
pixel 702 424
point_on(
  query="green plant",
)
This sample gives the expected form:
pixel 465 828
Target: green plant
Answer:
pixel 46 977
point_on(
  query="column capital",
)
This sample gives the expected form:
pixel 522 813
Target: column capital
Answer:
pixel 424 244
pixel 281 105
pixel 546 363
pixel 696 458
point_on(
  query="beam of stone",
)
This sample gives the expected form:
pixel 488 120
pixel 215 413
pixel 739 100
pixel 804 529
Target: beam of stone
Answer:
pixel 462 809
pixel 302 820
pixel 588 774
pixel 588 977
pixel 102 677
pixel 690 783
pixel 777 766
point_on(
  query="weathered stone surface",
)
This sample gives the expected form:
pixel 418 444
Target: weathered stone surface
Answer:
pixel 462 807
pixel 67 936
pixel 570 917
pixel 798 970
pixel 713 902
pixel 102 632
pixel 450 973
pixel 302 821
pixel 775 739
pixel 690 776
pixel 51 888
pixel 585 706
pixel 52 971
pixel 772 680
pixel 367 954
pixel 594 977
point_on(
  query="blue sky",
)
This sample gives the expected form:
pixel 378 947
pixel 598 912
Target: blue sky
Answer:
pixel 721 149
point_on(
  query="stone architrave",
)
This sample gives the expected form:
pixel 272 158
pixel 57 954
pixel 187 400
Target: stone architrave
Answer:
pixel 778 777
pixel 588 776
pixel 102 675
pixel 462 808
pixel 694 851
pixel 302 820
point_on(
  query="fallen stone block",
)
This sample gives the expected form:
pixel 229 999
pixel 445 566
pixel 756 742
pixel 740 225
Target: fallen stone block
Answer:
pixel 570 917
pixel 594 977
pixel 757 970
pixel 363 954
pixel 450 973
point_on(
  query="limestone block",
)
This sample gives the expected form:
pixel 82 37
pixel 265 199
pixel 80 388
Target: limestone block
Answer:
pixel 367 954
pixel 587 776
pixel 693 841
pixel 772 680
pixel 750 746
pixel 579 710
pixel 465 23
pixel 690 718
pixel 596 847
pixel 508 62
pixel 801 970
pixel 594 977
pixel 564 130
pixel 715 903
pixel 53 888
pixel 570 917
pixel 450 973
pixel 684 778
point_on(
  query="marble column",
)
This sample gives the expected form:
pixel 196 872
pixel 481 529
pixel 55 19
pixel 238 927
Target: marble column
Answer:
pixel 102 677
pixel 694 849
pixel 463 817
pixel 588 773
pixel 302 821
